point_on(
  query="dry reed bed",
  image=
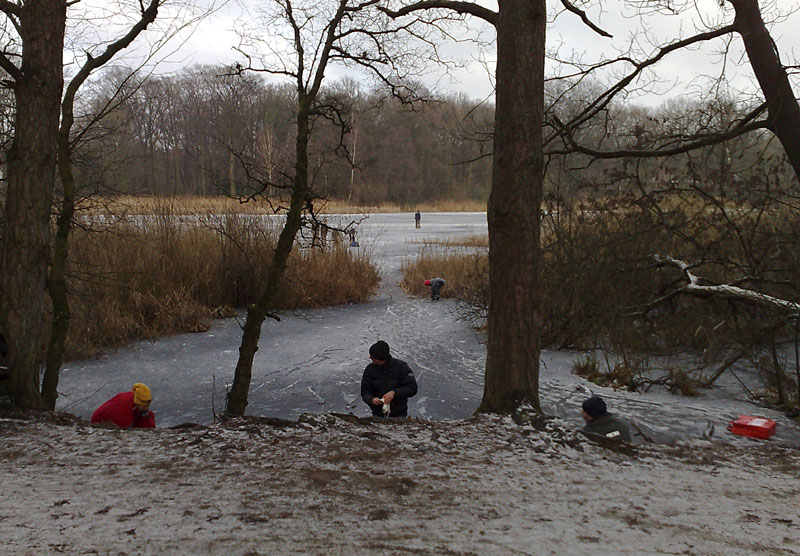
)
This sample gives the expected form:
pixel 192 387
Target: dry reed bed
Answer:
pixel 462 263
pixel 128 204
pixel 474 241
pixel 142 279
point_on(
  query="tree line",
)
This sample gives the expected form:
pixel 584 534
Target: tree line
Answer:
pixel 210 131
pixel 207 130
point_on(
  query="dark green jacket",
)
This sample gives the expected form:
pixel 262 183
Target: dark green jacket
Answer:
pixel 610 426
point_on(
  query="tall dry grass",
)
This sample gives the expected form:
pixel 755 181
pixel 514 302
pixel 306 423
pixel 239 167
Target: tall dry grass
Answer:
pixel 473 241
pixel 121 205
pixel 186 205
pixel 464 270
pixel 150 277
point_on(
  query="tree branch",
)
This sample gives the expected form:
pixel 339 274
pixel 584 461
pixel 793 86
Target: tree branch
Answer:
pixel 330 38
pixel 148 16
pixel 724 290
pixel 580 13
pixel 10 68
pixel 468 8
pixel 704 141
pixel 604 99
pixel 10 8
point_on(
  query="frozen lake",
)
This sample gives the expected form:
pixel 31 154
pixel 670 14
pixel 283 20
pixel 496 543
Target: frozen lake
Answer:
pixel 312 360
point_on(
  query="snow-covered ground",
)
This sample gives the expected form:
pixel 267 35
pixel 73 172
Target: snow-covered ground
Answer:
pixel 332 486
pixel 312 360
pixel 329 483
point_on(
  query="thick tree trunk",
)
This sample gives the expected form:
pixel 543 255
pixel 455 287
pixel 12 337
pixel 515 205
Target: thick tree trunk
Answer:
pixel 784 111
pixel 257 312
pixel 31 173
pixel 512 360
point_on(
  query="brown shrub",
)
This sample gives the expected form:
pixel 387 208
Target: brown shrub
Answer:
pixel 599 285
pixel 465 274
pixel 149 277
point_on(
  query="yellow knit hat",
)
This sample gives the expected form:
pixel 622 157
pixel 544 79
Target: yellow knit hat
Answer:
pixel 141 394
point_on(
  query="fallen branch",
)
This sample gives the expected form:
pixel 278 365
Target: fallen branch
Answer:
pixel 706 383
pixel 723 290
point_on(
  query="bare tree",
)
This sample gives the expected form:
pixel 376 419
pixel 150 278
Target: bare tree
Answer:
pixel 310 36
pixel 34 41
pixel 777 109
pixel 512 360
pixel 57 285
pixel 179 133
pixel 33 64
pixel 708 169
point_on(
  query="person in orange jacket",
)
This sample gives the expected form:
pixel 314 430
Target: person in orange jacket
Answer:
pixel 128 409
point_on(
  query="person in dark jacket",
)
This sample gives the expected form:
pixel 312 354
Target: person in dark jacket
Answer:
pixel 387 383
pixel 600 421
pixel 128 409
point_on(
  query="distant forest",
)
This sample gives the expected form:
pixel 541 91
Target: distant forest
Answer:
pixel 203 131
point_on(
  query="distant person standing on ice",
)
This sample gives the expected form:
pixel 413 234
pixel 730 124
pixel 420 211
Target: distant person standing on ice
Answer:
pixel 387 383
pixel 323 230
pixel 417 218
pixel 128 409
pixel 600 421
pixel 435 285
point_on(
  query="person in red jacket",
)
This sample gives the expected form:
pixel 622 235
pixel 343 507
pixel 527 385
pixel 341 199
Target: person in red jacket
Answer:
pixel 128 409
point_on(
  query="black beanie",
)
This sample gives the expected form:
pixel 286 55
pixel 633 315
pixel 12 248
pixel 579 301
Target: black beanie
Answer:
pixel 379 350
pixel 594 406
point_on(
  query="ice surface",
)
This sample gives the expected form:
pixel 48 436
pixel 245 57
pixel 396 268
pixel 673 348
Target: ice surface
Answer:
pixel 312 360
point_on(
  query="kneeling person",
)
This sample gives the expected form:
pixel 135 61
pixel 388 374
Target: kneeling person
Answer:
pixel 128 409
pixel 600 421
pixel 387 383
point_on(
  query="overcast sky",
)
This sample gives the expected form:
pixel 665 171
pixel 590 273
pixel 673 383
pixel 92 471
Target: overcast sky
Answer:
pixel 214 38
